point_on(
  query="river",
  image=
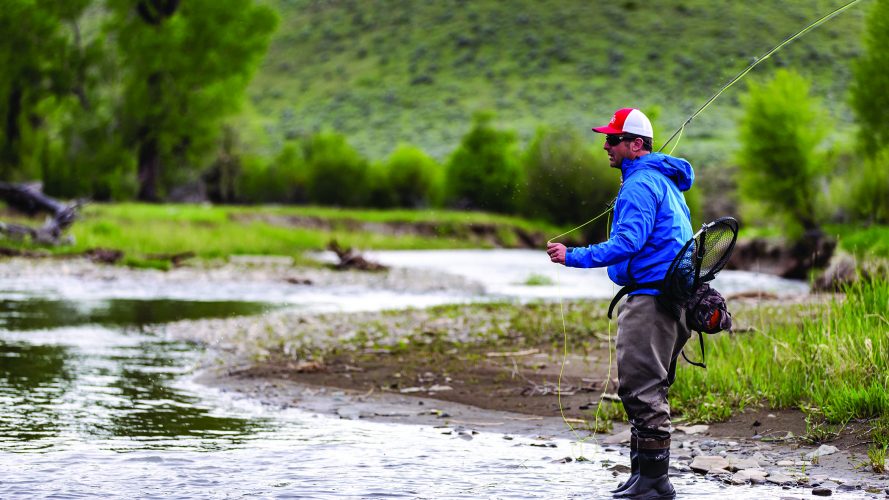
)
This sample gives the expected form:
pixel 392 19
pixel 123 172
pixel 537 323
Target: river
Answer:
pixel 95 402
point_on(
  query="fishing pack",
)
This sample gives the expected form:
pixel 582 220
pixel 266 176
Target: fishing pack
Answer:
pixel 686 285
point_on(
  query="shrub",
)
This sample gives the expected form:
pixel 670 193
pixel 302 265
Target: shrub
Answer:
pixel 566 181
pixel 280 180
pixel 484 172
pixel 337 173
pixel 413 178
pixel 780 165
pixel 869 200
pixel 870 83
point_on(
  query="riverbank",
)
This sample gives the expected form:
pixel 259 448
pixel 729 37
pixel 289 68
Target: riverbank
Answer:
pixel 507 357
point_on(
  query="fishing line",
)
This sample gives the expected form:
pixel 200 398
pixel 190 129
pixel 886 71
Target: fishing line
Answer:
pixel 752 65
pixel 676 135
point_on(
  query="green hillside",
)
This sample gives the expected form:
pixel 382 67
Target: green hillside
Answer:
pixel 386 71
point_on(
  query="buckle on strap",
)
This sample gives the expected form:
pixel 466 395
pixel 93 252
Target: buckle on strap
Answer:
pixel 630 289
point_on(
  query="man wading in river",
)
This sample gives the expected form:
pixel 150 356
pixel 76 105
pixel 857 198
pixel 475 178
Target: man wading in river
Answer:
pixel 651 224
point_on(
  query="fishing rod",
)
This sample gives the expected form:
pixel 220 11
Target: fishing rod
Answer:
pixel 677 133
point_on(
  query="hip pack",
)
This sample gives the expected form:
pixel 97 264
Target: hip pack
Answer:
pixel 686 285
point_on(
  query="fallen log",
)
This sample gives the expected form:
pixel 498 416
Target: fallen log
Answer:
pixel 30 200
pixel 350 259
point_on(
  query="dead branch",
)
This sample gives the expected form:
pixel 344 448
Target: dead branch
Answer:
pixel 350 259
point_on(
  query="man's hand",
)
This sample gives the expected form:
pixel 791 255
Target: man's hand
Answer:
pixel 556 252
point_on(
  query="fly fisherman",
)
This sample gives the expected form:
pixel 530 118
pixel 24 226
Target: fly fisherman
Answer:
pixel 651 224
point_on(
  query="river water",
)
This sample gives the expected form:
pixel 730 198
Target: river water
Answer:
pixel 94 402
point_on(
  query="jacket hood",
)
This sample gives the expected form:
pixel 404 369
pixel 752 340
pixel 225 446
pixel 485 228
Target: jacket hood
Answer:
pixel 676 169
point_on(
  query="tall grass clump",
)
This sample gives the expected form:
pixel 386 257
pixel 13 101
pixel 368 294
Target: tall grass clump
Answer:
pixel 831 357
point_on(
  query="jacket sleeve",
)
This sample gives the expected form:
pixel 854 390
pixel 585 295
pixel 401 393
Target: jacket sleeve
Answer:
pixel 635 211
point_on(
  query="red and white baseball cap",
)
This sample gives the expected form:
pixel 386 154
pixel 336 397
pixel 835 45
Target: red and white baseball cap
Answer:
pixel 627 120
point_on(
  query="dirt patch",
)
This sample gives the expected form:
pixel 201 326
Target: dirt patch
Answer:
pixel 526 384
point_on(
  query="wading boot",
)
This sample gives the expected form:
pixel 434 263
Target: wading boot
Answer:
pixel 653 482
pixel 634 467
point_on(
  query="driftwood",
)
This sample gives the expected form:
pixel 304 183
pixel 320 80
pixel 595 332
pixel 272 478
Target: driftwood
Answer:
pixel 350 259
pixel 29 199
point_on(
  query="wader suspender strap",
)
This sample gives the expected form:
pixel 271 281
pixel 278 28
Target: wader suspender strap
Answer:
pixel 632 288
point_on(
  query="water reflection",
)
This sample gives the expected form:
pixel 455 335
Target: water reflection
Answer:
pixel 65 379
pixel 40 313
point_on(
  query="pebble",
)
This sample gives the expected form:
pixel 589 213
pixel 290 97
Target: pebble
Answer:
pixel 822 492
pixel 693 429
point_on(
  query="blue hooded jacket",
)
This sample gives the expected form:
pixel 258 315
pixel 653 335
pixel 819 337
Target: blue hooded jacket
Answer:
pixel 651 223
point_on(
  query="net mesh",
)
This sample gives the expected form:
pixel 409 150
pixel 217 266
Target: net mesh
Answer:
pixel 716 241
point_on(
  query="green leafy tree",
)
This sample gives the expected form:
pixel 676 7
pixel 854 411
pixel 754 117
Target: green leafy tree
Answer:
pixel 780 163
pixel 337 174
pixel 42 66
pixel 413 177
pixel 567 182
pixel 184 68
pixel 870 84
pixel 484 171
pixel 869 200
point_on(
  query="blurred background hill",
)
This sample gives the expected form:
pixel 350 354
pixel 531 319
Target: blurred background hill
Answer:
pixel 384 72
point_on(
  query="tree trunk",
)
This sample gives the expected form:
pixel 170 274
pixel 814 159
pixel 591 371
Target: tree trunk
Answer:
pixel 149 169
pixel 9 153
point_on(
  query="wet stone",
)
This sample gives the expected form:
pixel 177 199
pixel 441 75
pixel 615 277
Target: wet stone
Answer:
pixel 736 464
pixel 779 478
pixel 755 476
pixel 704 464
pixel 822 450
pixel 822 492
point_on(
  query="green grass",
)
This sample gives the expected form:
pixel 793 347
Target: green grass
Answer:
pixel 141 230
pixel 872 241
pixel 387 71
pixel 535 279
pixel 832 357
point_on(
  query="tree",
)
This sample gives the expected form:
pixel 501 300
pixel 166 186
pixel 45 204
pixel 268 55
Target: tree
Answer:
pixel 780 162
pixel 412 177
pixel 41 63
pixel 184 68
pixel 484 172
pixel 870 84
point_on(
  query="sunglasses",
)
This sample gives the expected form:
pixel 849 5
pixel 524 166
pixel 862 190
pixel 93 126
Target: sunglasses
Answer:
pixel 614 140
